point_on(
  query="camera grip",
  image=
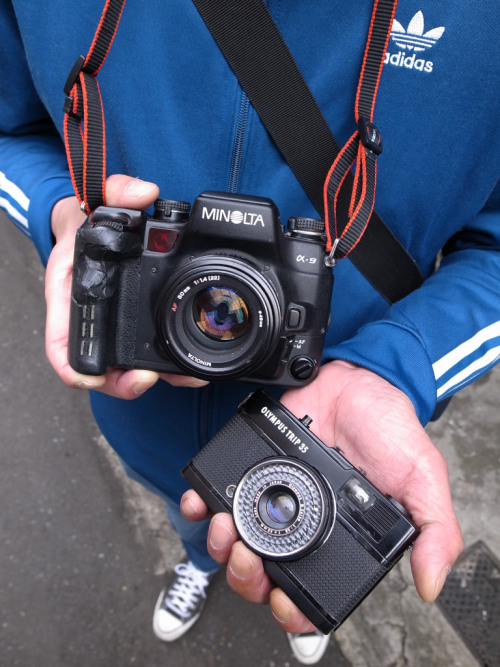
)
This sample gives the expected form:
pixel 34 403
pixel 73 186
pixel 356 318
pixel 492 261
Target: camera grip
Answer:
pixel 93 293
pixel 104 245
pixel 87 350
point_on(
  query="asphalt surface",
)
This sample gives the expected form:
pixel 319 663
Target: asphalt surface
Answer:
pixel 84 551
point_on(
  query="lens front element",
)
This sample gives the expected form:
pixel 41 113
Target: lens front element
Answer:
pixel 281 508
pixel 221 313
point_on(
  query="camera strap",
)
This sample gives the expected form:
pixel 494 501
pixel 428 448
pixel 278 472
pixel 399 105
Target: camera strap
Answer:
pixel 84 130
pixel 254 48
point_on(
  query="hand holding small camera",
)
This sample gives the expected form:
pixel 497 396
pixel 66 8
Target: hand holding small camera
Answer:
pixel 375 426
pixel 66 219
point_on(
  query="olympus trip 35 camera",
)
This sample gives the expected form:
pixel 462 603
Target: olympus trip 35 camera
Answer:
pixel 218 292
pixel 326 535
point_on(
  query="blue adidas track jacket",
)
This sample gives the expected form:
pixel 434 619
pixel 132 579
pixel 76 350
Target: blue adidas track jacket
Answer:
pixel 176 115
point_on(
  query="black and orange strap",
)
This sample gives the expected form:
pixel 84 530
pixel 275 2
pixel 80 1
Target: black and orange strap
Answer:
pixel 255 50
pixel 258 55
pixel 344 232
pixel 84 129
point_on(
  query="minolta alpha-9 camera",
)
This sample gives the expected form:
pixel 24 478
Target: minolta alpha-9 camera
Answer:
pixel 327 536
pixel 218 293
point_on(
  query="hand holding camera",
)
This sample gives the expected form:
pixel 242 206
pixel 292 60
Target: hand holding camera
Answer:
pixel 376 427
pixel 221 291
pixel 66 219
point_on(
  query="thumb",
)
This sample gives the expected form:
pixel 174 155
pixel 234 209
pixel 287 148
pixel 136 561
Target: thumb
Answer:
pixel 130 192
pixel 433 555
pixel 440 541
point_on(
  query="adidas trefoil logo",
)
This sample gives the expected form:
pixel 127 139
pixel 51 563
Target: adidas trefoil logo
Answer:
pixel 414 38
pixel 413 42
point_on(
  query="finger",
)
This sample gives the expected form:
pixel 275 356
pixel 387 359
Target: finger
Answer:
pixel 221 537
pixel 246 576
pixel 193 508
pixel 287 615
pixel 433 555
pixel 127 384
pixel 117 383
pixel 183 380
pixel 130 192
pixel 428 498
pixel 121 191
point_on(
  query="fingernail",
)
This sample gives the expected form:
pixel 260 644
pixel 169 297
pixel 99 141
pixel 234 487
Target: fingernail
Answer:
pixel 188 508
pixel 195 382
pixel 243 567
pixel 144 380
pixel 440 581
pixel 220 537
pixel 138 188
pixel 141 387
pixel 284 616
pixel 88 384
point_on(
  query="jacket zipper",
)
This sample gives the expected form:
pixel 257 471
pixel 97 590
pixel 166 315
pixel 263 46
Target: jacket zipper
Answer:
pixel 239 143
pixel 207 393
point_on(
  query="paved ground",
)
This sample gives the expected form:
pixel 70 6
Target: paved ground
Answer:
pixel 84 552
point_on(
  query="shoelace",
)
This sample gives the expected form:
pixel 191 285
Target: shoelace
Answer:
pixel 186 592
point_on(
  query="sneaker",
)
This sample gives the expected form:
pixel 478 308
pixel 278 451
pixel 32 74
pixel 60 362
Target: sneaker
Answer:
pixel 308 647
pixel 180 604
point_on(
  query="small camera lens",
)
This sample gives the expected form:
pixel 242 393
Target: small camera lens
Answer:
pixel 221 313
pixel 281 508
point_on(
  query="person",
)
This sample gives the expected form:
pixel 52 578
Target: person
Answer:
pixel 178 123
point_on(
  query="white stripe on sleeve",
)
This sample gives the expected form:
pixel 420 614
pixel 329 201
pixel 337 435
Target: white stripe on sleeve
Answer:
pixel 488 359
pixel 14 191
pixel 13 212
pixel 454 357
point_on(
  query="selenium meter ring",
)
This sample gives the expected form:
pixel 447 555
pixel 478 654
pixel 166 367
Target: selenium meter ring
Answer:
pixel 219 318
pixel 283 508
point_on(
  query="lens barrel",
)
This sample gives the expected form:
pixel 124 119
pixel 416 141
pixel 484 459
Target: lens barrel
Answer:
pixel 283 508
pixel 219 318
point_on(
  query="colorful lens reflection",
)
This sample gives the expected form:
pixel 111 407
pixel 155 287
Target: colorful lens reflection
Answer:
pixel 221 314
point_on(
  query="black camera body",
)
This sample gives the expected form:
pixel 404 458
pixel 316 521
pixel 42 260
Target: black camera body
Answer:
pixel 327 536
pixel 220 292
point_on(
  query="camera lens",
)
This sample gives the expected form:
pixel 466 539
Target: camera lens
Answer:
pixel 283 508
pixel 218 318
pixel 221 313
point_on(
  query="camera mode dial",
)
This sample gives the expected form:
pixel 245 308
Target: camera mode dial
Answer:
pixel 306 227
pixel 172 209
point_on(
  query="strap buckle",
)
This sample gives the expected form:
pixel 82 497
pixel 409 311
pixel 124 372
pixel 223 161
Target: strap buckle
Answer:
pixel 369 135
pixel 330 260
pixel 70 82
pixel 73 75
